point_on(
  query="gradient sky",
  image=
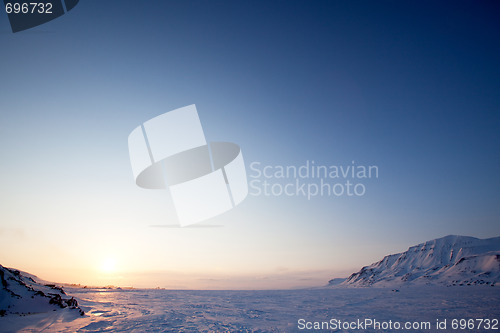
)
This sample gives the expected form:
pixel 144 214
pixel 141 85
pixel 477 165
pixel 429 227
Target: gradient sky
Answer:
pixel 412 87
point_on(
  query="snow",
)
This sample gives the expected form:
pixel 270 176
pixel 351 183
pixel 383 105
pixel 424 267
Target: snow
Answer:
pixel 256 311
pixel 22 293
pixel 451 260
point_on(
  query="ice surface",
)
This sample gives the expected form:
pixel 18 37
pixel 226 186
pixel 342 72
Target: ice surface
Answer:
pixel 255 311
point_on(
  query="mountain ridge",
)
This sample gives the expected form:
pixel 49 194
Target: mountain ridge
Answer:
pixel 450 260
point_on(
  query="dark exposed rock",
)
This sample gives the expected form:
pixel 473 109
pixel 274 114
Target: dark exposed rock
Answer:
pixel 16 287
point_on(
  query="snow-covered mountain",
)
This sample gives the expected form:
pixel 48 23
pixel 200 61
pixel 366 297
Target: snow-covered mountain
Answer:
pixel 451 260
pixel 21 293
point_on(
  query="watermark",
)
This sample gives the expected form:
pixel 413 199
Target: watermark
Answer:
pixel 28 14
pixel 310 179
pixel 204 179
pixel 363 324
pixel 471 324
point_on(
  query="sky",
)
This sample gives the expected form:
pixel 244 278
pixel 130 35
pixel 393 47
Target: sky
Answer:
pixel 409 87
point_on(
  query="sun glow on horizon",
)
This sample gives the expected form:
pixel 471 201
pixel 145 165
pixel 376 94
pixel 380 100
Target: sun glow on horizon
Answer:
pixel 108 265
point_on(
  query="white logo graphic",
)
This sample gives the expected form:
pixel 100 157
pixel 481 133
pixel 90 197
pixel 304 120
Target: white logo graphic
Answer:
pixel 205 180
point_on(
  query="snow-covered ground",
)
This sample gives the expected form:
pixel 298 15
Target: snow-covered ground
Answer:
pixel 257 311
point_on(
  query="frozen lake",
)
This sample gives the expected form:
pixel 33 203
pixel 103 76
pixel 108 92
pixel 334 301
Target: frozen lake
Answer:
pixel 259 311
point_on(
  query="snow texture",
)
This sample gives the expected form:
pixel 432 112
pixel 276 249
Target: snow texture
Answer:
pixel 257 311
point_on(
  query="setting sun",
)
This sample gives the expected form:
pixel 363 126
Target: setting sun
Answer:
pixel 108 265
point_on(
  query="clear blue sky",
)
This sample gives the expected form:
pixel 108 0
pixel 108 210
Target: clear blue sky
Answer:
pixel 411 87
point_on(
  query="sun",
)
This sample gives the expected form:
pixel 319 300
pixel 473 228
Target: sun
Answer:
pixel 108 265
